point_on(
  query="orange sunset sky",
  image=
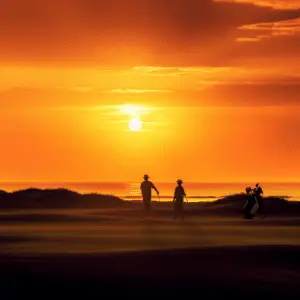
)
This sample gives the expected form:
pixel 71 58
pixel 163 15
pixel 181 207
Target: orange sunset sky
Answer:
pixel 215 85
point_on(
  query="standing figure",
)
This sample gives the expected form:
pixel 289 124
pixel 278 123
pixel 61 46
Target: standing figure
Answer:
pixel 178 200
pixel 146 187
pixel 258 192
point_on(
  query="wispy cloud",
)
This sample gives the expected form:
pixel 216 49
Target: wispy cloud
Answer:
pixel 288 28
pixel 177 71
pixel 137 91
pixel 81 89
pixel 249 39
pixel 279 4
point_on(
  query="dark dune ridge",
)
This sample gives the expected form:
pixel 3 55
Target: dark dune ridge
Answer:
pixel 33 198
pixel 235 203
pixel 55 198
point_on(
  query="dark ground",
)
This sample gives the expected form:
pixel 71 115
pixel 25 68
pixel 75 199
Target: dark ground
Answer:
pixel 262 272
pixel 117 253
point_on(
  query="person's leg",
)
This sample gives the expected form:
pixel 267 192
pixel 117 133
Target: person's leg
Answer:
pixel 248 208
pixel 254 207
pixel 259 205
pixel 147 206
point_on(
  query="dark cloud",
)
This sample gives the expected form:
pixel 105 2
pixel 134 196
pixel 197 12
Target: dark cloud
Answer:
pixel 268 49
pixel 120 32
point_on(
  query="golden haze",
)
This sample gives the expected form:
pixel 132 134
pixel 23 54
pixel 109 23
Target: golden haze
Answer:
pixel 212 90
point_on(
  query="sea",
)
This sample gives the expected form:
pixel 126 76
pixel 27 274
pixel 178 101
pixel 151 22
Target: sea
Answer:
pixel 196 191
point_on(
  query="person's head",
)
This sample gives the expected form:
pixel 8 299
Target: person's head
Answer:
pixel 146 177
pixel 179 182
pixel 257 185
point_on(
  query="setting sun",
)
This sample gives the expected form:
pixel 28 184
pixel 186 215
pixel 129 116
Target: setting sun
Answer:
pixel 135 124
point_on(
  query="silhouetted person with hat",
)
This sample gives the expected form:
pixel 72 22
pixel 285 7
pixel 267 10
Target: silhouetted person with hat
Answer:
pixel 178 200
pixel 146 188
pixel 258 192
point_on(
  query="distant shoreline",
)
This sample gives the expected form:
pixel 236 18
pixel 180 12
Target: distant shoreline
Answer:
pixel 134 182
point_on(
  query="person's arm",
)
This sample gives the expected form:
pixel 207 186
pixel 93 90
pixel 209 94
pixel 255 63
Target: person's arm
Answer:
pixel 174 195
pixel 141 188
pixel 184 194
pixel 154 187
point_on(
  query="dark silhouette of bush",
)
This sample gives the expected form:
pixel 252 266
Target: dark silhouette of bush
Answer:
pixel 2 192
pixel 56 198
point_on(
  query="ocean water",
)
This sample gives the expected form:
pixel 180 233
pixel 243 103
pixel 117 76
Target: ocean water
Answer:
pixel 131 191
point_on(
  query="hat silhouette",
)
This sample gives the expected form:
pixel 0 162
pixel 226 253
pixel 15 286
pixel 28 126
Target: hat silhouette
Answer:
pixel 146 176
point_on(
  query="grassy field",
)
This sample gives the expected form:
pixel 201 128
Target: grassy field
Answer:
pixel 93 231
pixel 64 254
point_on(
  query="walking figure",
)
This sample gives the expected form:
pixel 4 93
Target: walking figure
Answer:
pixel 146 188
pixel 178 200
pixel 258 192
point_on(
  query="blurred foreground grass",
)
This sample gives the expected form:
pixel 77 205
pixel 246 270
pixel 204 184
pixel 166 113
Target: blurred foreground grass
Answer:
pixel 90 231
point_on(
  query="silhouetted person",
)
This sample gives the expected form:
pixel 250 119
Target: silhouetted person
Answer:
pixel 179 195
pixel 146 188
pixel 258 192
pixel 249 204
